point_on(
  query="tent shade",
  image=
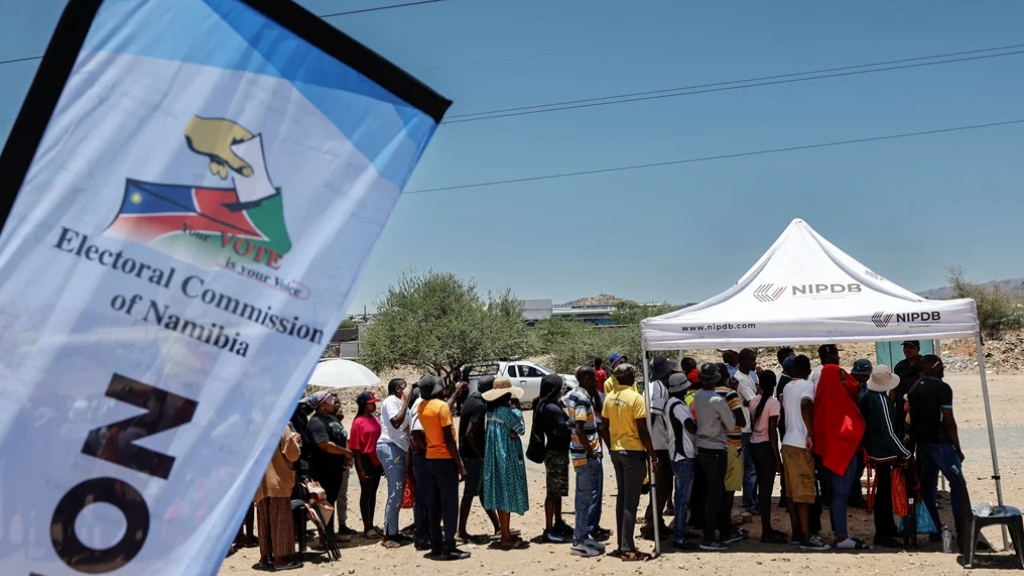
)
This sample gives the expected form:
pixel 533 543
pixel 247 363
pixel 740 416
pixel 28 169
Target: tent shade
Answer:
pixel 805 290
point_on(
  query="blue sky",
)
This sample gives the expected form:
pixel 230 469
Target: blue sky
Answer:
pixel 908 208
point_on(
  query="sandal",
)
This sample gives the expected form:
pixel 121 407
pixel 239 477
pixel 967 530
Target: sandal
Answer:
pixel 293 565
pixel 373 534
pixel 391 544
pixel 633 556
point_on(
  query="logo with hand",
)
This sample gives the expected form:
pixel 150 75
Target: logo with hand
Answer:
pixel 213 138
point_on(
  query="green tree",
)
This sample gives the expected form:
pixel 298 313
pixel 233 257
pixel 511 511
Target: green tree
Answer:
pixel 999 310
pixel 437 322
pixel 347 324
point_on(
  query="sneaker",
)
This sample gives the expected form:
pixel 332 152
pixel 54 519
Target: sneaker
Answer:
pixel 684 546
pixel 735 536
pixel 591 543
pixel 814 544
pixel 713 546
pixel 552 537
pixel 455 555
pixel 601 534
pixel 584 551
pixel 851 544
pixel 563 529
pixel 421 546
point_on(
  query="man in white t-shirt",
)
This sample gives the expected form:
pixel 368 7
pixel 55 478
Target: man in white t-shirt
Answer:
pixel 661 439
pixel 746 387
pixel 798 452
pixel 393 451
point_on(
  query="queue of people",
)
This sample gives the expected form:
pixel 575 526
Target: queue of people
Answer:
pixel 712 431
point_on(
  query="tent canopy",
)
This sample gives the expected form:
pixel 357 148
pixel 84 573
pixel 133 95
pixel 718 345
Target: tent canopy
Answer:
pixel 804 290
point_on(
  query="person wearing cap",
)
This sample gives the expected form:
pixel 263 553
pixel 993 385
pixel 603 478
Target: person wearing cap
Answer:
pixel 614 360
pixel 393 453
pixel 936 440
pixel 328 451
pixel 624 429
pixel 585 451
pixel 884 447
pixel 661 437
pixel 443 469
pixel 471 448
pixel 909 371
pixel 715 418
pixel 362 441
pixel 505 487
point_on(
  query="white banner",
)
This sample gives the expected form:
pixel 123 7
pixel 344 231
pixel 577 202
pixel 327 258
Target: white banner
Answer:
pixel 199 185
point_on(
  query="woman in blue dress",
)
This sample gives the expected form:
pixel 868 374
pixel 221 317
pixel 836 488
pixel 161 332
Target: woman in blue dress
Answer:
pixel 505 489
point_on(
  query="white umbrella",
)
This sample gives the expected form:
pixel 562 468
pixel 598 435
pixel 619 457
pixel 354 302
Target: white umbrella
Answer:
pixel 338 373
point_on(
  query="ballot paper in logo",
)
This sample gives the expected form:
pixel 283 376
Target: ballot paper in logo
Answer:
pixel 199 186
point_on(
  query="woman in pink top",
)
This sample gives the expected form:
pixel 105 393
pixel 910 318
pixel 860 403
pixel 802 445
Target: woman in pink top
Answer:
pixel 764 449
pixel 363 443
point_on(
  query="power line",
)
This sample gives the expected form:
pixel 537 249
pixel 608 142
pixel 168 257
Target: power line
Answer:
pixel 382 8
pixel 598 47
pixel 727 86
pixel 720 157
pixel 361 11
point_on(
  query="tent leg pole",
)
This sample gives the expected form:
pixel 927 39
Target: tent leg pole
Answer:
pixel 937 350
pixel 991 430
pixel 650 465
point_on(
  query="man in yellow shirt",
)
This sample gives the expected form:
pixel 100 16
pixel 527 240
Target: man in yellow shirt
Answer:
pixel 624 430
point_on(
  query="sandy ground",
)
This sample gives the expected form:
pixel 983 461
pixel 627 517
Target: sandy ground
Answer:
pixel 748 558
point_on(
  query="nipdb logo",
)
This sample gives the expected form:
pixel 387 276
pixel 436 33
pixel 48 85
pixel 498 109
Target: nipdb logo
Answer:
pixel 883 319
pixel 769 292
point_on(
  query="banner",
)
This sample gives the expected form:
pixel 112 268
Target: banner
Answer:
pixel 198 185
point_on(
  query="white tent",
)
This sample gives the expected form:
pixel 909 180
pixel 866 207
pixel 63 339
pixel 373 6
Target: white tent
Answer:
pixel 804 290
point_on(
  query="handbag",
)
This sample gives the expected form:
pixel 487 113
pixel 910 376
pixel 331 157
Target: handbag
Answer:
pixel 409 495
pixel 925 524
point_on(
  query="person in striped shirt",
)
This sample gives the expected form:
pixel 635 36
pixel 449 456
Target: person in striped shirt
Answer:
pixel 585 451
pixel 734 448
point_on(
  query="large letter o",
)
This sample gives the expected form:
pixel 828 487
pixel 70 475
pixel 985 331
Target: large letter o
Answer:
pixel 111 491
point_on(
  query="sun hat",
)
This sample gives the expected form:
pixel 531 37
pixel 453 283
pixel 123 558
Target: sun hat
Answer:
pixel 660 367
pixel 708 373
pixel 862 367
pixel 882 379
pixel 615 358
pixel 502 386
pixel 678 382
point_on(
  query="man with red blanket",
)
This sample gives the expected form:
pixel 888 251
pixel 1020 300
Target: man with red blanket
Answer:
pixel 838 430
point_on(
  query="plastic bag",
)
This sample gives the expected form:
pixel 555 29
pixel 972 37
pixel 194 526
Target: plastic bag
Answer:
pixel 925 524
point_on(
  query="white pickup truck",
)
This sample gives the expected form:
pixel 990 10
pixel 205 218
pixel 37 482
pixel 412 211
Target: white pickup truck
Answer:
pixel 524 374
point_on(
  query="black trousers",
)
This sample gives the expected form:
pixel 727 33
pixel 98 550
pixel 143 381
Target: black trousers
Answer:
pixel 662 487
pixel 368 489
pixel 885 525
pixel 714 463
pixel 764 463
pixel 698 494
pixel 442 481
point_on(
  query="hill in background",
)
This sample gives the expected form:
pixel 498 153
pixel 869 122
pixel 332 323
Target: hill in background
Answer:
pixel 1010 285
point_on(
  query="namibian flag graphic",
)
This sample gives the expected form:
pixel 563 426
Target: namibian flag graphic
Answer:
pixel 198 224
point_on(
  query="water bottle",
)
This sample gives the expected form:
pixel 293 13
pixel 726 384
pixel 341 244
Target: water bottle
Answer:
pixel 947 540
